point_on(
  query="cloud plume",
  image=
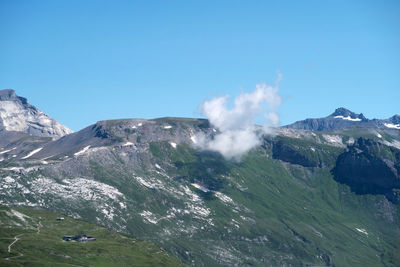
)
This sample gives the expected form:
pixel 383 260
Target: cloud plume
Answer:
pixel 236 129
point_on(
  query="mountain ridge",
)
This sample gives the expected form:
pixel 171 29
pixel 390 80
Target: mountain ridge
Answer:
pixel 281 205
pixel 343 118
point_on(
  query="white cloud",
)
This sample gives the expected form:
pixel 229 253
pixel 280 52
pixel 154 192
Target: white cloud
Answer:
pixel 237 132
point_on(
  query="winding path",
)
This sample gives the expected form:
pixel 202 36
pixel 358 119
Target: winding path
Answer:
pixel 16 238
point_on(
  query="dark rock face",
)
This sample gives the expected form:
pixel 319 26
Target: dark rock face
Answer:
pixel 286 153
pixel 369 167
pixel 394 119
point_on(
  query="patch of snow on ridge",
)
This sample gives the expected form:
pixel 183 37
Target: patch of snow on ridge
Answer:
pixel 32 153
pixel 362 231
pixel 82 151
pixel 128 144
pixel 392 126
pixel 172 144
pixel 194 140
pixel 378 135
pixel 5 151
pixel 200 187
pixel 348 118
pixel 167 127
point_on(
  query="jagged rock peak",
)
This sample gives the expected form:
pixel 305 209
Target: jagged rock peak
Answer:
pixel 7 94
pixel 345 113
pixel 395 119
pixel 16 114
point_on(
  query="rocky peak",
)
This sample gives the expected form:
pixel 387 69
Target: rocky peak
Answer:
pixel 345 113
pixel 16 114
pixel 395 119
pixel 7 94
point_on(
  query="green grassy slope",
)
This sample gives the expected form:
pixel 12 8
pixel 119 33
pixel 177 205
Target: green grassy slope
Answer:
pixel 40 243
pixel 292 215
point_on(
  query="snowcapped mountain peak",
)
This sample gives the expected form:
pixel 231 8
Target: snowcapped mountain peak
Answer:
pixel 16 114
pixel 345 114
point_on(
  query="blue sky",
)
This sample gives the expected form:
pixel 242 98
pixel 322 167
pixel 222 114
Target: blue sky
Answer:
pixel 84 61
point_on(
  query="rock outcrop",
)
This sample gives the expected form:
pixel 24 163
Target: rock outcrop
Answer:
pixel 16 114
pixel 369 167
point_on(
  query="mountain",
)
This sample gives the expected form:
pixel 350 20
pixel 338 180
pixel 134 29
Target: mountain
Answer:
pixel 343 119
pixel 301 198
pixel 16 114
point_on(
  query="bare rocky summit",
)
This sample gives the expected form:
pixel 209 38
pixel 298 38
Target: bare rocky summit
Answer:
pixel 16 114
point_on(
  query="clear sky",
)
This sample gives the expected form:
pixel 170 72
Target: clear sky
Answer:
pixel 84 61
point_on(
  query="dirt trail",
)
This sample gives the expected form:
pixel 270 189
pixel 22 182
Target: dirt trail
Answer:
pixel 16 238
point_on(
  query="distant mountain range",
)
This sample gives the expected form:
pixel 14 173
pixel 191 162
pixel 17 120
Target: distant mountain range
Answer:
pixel 319 192
pixel 343 118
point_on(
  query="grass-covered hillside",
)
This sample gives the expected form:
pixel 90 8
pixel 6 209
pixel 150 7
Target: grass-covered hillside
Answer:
pixel 31 237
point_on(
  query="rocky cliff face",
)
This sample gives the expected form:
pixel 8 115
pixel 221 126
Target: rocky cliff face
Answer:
pixel 289 154
pixel 16 114
pixel 369 167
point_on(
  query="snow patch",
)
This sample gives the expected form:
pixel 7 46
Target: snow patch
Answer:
pixel 194 140
pixel 128 144
pixel 348 118
pixel 172 144
pixel 361 230
pixel 5 151
pixel 82 151
pixel 167 127
pixel 32 153
pixel 392 126
pixel 200 187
